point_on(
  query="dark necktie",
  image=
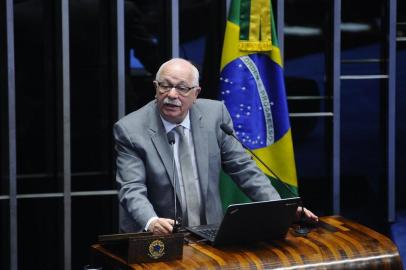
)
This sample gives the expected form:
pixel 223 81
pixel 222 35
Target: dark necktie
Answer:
pixel 191 192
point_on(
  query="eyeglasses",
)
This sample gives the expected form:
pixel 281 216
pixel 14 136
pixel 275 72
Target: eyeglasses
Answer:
pixel 181 89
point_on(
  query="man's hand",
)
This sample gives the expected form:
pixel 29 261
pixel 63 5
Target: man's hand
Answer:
pixel 307 214
pixel 161 226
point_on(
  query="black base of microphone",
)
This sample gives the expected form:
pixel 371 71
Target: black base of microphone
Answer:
pixel 177 227
pixel 303 225
pixel 302 230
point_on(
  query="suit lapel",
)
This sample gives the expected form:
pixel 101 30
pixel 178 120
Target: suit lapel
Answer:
pixel 160 141
pixel 200 141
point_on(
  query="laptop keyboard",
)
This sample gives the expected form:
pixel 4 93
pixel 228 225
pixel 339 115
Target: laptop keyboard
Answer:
pixel 210 233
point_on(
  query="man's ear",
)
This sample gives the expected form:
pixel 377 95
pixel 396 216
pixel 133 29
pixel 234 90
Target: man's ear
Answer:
pixel 198 89
pixel 155 83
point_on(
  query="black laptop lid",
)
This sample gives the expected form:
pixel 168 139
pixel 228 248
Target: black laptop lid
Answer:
pixel 266 220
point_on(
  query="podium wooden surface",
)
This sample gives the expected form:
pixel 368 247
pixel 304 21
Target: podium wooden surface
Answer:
pixel 335 243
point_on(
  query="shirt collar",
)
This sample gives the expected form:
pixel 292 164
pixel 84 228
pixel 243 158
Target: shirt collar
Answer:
pixel 169 126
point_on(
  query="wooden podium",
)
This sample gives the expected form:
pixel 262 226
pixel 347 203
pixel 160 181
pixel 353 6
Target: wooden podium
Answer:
pixel 335 243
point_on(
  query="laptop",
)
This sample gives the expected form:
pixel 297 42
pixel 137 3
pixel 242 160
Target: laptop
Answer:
pixel 249 222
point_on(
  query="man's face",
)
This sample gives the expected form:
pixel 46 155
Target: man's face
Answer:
pixel 172 104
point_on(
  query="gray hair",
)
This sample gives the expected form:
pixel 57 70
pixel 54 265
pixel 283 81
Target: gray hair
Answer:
pixel 195 72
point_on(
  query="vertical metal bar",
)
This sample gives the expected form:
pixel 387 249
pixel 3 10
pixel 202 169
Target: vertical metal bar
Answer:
pixel 336 104
pixel 120 69
pixel 66 135
pixel 281 25
pixel 120 59
pixel 228 3
pixel 391 110
pixel 12 158
pixel 175 28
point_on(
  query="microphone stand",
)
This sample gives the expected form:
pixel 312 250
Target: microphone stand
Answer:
pixel 176 225
pixel 301 230
pixel 177 221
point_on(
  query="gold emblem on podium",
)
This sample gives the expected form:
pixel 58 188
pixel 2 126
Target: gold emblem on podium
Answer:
pixel 156 249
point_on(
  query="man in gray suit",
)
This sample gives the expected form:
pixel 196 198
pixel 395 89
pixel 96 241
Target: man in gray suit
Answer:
pixel 145 160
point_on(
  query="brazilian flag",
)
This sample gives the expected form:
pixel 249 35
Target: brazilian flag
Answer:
pixel 253 90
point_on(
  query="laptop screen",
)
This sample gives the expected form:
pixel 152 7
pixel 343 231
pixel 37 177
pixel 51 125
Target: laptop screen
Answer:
pixel 255 221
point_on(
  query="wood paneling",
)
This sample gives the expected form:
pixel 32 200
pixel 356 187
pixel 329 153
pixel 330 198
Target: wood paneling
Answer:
pixel 335 243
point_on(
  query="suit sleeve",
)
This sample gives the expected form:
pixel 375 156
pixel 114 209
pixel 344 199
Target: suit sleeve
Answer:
pixel 238 164
pixel 131 179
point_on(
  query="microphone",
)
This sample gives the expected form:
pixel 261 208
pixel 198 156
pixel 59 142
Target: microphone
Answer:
pixel 301 230
pixel 229 131
pixel 171 140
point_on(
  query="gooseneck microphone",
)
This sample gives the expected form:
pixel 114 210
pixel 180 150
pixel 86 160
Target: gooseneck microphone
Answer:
pixel 177 222
pixel 229 131
pixel 301 230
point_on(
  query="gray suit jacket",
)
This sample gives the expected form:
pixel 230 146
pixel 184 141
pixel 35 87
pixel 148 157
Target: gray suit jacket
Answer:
pixel 144 164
